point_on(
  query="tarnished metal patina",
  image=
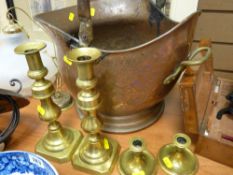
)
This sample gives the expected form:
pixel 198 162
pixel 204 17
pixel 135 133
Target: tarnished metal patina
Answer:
pixel 141 47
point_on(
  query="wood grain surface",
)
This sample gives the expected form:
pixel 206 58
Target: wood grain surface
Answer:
pixel 30 129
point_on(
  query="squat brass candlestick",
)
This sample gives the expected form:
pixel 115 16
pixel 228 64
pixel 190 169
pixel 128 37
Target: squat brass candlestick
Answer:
pixel 96 153
pixel 59 143
pixel 137 160
pixel 177 158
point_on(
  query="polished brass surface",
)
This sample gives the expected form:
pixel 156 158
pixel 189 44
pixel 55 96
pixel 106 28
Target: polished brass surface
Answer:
pixel 177 158
pixel 59 143
pixel 137 160
pixel 189 62
pixel 141 48
pixel 97 154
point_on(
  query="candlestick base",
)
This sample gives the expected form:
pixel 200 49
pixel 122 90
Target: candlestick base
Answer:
pixel 61 147
pixel 97 159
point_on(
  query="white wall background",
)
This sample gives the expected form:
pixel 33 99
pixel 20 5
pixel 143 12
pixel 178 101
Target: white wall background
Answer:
pixel 3 10
pixel 180 9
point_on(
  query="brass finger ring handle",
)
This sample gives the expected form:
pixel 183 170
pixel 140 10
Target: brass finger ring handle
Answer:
pixel 189 62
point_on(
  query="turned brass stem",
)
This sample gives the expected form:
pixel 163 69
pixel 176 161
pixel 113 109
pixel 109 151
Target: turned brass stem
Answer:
pixel 59 143
pixel 88 99
pixel 96 154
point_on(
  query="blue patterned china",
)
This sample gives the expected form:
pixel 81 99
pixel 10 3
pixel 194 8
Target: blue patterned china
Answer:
pixel 24 163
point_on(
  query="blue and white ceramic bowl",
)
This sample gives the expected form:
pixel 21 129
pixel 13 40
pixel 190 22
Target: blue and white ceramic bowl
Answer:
pixel 24 163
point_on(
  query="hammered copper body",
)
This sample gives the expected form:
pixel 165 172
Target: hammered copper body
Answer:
pixel 140 46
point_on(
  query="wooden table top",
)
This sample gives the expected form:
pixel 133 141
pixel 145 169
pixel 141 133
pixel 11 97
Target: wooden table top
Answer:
pixel 30 129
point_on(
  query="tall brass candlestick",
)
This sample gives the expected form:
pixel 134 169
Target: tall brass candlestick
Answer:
pixel 96 153
pixel 59 143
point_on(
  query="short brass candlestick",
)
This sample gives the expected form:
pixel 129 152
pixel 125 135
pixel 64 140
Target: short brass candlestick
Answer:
pixel 59 143
pixel 96 154
pixel 177 158
pixel 137 160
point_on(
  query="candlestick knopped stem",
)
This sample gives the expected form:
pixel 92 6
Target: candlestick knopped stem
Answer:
pixel 96 154
pixel 59 143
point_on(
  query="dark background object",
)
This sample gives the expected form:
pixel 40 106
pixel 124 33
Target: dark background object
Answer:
pixel 228 110
pixel 6 107
pixel 10 3
pixel 6 133
pixel 160 3
pixel 10 101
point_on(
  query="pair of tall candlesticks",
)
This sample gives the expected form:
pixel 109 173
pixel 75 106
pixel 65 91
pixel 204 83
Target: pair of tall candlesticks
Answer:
pixel 95 153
